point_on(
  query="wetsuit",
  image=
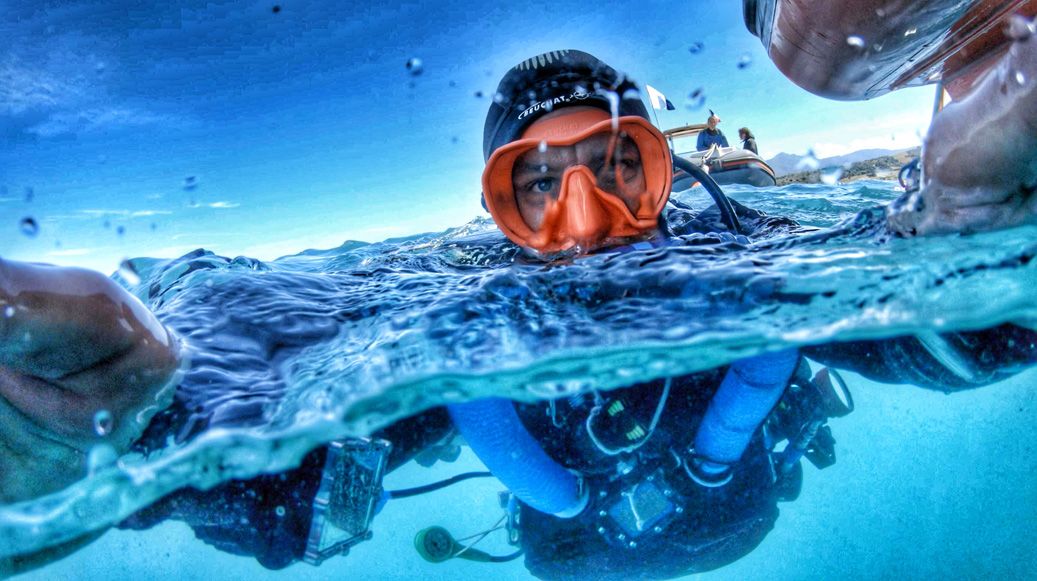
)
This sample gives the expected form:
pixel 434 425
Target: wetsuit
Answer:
pixel 708 138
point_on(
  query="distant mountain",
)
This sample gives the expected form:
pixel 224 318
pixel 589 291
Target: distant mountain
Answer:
pixel 786 163
pixel 883 167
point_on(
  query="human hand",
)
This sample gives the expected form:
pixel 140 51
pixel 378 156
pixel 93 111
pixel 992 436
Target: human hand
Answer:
pixel 979 159
pixel 72 343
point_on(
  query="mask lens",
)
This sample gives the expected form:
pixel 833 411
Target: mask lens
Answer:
pixel 613 157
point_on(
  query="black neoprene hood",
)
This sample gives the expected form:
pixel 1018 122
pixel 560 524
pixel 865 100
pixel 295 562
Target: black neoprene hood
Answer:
pixel 559 78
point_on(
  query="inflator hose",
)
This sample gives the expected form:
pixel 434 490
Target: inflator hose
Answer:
pixel 727 211
pixel 745 398
pixel 495 433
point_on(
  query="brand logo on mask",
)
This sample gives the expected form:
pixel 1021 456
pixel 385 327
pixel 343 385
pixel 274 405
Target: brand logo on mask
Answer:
pixel 549 104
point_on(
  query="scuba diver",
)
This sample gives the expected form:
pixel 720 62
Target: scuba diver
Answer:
pixel 681 474
pixel 663 478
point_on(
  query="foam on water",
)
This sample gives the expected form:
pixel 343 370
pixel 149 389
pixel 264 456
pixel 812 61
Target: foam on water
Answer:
pixel 292 353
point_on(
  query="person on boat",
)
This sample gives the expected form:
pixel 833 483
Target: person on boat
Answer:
pixel 73 342
pixel 748 140
pixel 711 136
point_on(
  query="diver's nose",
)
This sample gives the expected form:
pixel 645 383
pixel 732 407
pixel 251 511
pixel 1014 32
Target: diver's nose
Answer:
pixel 586 219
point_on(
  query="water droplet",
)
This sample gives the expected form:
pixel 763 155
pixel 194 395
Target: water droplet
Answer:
pixel 809 162
pixel 100 457
pixel 1021 28
pixel 452 83
pixel 30 194
pixel 29 226
pixel 120 230
pixel 910 31
pixel 696 100
pixel 154 226
pixel 855 41
pixel 498 98
pixel 103 423
pixel 831 176
pixel 478 94
pixel 542 146
pixel 276 9
pixel 613 98
pixel 8 311
pixel 190 183
pixel 544 168
pixel 744 61
pixel 415 66
pixel 129 273
pixel 454 139
pixel 106 224
pixel 695 48
pixel 1020 78
pixel 280 511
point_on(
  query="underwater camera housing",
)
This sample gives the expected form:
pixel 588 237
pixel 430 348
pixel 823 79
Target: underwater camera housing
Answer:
pixel 802 415
pixel 348 497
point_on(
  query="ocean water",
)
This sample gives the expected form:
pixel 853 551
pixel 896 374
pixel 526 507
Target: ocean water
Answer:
pixel 331 343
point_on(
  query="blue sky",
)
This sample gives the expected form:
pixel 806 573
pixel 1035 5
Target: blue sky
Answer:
pixel 303 128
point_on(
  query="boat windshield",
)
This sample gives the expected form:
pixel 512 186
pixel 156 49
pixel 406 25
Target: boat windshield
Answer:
pixel 684 144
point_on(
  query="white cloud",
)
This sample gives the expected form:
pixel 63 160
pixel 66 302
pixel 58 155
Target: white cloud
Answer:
pixel 70 252
pixel 95 119
pixel 898 131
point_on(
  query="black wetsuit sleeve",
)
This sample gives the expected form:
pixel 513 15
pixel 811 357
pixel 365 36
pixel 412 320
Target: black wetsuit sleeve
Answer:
pixel 945 362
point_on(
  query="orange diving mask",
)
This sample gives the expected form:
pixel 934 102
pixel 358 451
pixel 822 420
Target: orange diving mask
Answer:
pixel 579 179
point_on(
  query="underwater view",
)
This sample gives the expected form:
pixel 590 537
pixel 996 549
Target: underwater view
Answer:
pixel 323 288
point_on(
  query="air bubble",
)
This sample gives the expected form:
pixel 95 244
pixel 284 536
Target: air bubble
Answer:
pixel 498 98
pixel 29 227
pixel 696 48
pixel 415 66
pixel 103 423
pixel 478 94
pixel 190 183
pixel 1020 78
pixel 8 311
pixel 280 511
pixel 120 230
pixel 129 273
pixel 855 41
pixel 831 176
pixel 744 61
pixel 543 168
pixel 542 147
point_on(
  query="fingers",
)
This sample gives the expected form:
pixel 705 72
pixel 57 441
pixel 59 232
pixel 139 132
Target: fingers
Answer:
pixel 55 321
pixel 979 159
pixel 72 343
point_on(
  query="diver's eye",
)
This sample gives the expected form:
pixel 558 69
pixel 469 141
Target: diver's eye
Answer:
pixel 544 185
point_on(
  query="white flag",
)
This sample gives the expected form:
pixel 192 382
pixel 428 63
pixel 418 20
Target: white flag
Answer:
pixel 658 99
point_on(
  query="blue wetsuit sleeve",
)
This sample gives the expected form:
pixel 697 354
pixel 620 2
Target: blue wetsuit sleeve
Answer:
pixel 701 143
pixel 945 361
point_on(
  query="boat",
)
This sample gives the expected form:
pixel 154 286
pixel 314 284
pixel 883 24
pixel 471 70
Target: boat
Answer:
pixel 726 165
